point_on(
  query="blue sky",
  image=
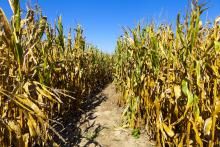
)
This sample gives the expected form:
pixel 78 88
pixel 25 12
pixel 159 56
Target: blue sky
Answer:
pixel 102 20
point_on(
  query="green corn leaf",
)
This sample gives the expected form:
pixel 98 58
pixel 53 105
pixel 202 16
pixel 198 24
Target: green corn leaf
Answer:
pixel 187 93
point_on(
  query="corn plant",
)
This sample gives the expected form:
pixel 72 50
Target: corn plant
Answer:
pixel 43 77
pixel 170 80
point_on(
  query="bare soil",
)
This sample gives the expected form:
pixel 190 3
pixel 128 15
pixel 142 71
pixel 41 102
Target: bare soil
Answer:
pixel 101 125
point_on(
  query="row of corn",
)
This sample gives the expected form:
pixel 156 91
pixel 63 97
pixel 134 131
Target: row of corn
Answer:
pixel 43 74
pixel 170 81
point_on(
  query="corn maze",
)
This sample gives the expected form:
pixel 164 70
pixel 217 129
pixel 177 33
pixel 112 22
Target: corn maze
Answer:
pixel 169 80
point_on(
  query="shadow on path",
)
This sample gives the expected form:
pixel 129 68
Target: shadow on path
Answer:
pixel 71 122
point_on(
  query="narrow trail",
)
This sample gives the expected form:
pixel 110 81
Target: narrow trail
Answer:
pixel 101 125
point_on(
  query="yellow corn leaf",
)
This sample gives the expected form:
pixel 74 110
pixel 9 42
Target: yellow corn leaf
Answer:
pixel 4 113
pixel 57 69
pixel 128 83
pixel 215 70
pixel 217 107
pixel 44 93
pixel 34 124
pixel 163 133
pixel 26 85
pixel 176 110
pixel 40 98
pixel 25 138
pixel 15 127
pixel 217 46
pixel 26 101
pixel 197 136
pixel 177 91
pixel 31 128
pixel 198 72
pixel 181 141
pixel 55 145
pixel 207 126
pixel 168 130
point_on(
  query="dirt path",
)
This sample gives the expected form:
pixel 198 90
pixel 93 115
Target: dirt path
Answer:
pixel 101 125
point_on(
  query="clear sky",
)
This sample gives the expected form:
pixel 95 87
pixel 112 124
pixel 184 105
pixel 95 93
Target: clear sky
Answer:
pixel 102 20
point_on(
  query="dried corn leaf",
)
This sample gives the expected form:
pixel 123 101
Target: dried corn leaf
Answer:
pixel 207 126
pixel 30 104
pixel 177 91
pixel 168 130
pixel 15 127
